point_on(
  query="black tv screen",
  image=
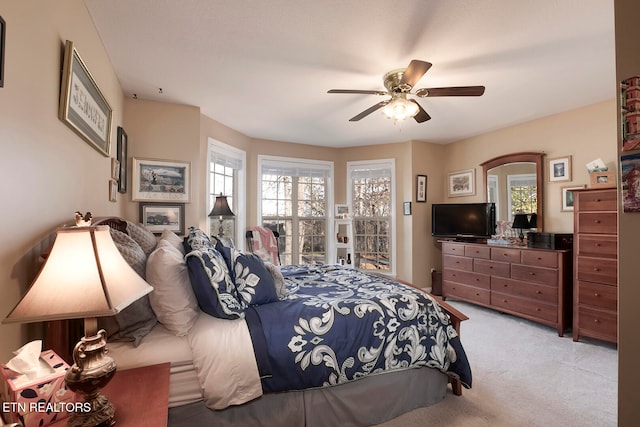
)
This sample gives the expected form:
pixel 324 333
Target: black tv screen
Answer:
pixel 463 220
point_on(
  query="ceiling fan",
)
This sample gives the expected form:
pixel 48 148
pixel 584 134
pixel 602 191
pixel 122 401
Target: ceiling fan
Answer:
pixel 399 84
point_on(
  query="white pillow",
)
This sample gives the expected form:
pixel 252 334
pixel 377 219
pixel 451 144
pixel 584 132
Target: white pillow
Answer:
pixel 172 299
pixel 175 240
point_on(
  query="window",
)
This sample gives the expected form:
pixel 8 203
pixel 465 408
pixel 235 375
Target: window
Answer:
pixel 523 196
pixel 226 168
pixel 371 190
pixel 294 201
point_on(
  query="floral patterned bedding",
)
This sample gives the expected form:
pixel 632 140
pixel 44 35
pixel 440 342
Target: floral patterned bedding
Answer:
pixel 338 324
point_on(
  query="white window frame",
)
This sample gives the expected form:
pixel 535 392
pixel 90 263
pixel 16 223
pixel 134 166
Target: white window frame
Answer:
pixel 378 164
pixel 515 178
pixel 240 187
pixel 286 162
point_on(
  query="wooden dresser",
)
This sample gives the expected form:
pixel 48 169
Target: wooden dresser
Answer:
pixel 531 283
pixel 595 306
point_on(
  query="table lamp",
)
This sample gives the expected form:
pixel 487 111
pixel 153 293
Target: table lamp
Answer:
pixel 84 276
pixel 221 210
pixel 521 222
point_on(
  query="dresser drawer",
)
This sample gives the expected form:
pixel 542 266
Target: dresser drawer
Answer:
pixel 601 324
pixel 493 268
pixel 505 254
pixel 478 251
pixel 597 222
pixel 477 295
pixel 453 248
pixel 599 296
pixel 457 262
pixel 528 273
pixel 540 259
pixel 600 270
pixel 605 200
pixel 599 246
pixel 538 309
pixel 466 278
pixel 548 294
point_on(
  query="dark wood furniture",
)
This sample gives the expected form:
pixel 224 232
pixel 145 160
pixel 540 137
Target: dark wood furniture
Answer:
pixel 595 309
pixel 139 395
pixel 527 282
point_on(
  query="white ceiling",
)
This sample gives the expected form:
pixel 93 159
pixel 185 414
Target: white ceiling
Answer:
pixel 263 68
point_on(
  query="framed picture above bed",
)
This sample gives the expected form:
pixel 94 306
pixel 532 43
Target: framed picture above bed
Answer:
pixel 157 217
pixel 161 180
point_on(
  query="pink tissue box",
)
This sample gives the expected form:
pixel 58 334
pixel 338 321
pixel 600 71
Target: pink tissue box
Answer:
pixel 40 401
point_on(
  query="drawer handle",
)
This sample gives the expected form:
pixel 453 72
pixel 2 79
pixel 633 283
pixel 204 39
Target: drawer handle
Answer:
pixel 596 294
pixel 597 221
pixel 539 258
pixel 596 269
pixel 596 320
pixel 538 292
pixel 531 273
pixel 538 309
pixel 598 244
pixel 504 300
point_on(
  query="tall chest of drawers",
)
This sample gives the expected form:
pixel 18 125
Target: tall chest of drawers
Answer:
pixel 595 306
pixel 531 283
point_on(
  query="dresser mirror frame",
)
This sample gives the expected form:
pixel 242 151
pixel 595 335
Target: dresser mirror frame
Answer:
pixel 524 157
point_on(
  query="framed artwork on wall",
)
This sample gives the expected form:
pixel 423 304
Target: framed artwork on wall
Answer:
pixel 121 155
pixel 161 180
pixel 560 169
pixel 3 36
pixel 462 183
pixel 630 180
pixel 157 217
pixel 567 197
pixel 421 188
pixel 82 106
pixel 113 190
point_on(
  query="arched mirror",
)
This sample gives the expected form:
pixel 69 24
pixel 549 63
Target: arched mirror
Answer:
pixel 514 183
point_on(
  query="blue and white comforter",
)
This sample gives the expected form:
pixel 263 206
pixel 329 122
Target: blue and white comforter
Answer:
pixel 338 324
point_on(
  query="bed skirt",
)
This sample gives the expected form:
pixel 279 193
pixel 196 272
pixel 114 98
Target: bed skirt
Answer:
pixel 364 402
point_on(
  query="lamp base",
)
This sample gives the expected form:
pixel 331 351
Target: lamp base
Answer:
pixel 93 368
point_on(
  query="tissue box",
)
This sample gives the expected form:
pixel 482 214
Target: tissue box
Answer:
pixel 39 401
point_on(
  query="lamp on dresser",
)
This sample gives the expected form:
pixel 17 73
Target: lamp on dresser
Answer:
pixel 84 276
pixel 521 222
pixel 221 210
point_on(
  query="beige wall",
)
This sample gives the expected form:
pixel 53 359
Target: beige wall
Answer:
pixel 48 172
pixel 627 65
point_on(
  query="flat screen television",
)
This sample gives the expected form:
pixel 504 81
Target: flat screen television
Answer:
pixel 463 221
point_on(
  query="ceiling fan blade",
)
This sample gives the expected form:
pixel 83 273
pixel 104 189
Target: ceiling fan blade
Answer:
pixel 422 115
pixel 369 110
pixel 362 92
pixel 414 72
pixel 451 91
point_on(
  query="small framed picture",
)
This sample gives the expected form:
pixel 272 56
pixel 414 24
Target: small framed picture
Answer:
pixel 560 169
pixel 407 208
pixel 115 169
pixel 157 217
pixel 462 183
pixel 605 179
pixel 421 188
pixel 342 211
pixel 122 158
pixel 567 197
pixel 113 190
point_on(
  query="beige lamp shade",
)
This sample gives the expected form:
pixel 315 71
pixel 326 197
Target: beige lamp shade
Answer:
pixel 84 276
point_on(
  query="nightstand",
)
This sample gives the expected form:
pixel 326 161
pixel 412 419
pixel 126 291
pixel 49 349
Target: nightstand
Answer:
pixel 140 396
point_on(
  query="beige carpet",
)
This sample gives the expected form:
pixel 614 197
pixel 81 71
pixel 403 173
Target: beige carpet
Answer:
pixel 525 375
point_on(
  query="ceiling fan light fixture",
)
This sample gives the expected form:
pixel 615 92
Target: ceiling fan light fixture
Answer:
pixel 400 108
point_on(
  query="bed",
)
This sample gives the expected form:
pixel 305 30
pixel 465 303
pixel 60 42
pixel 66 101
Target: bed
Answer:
pixel 254 344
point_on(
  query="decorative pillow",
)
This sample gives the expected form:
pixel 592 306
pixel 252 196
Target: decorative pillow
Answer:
pixel 215 291
pixel 146 239
pixel 278 279
pixel 172 238
pixel 197 240
pixel 172 299
pixel 136 320
pixel 252 279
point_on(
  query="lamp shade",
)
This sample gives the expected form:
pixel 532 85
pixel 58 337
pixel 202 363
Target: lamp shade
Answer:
pixel 533 220
pixel 520 221
pixel 221 208
pixel 83 276
pixel 400 108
